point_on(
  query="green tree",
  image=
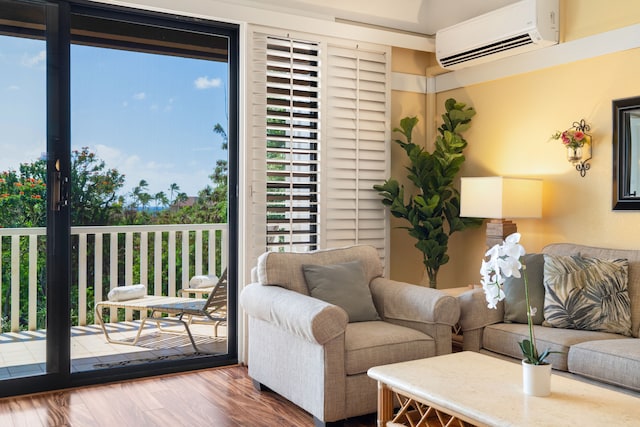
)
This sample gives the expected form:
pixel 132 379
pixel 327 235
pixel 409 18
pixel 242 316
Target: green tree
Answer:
pixel 173 189
pixel 161 199
pixel 22 196
pixel 139 195
pixel 212 201
pixel 434 211
pixel 22 204
pixel 181 197
pixel 94 187
pixel 211 204
pixel 145 199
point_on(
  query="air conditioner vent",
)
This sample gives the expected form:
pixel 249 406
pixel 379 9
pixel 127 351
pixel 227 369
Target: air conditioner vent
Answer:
pixel 490 49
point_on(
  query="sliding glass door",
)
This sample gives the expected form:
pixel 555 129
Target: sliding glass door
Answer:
pixel 149 157
pixel 23 191
pixel 121 146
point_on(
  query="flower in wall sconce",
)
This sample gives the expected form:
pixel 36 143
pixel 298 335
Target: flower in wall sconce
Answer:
pixel 578 144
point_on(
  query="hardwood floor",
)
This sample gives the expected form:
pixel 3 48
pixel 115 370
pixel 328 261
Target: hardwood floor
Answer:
pixel 222 397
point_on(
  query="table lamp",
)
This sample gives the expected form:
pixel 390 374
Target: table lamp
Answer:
pixel 497 198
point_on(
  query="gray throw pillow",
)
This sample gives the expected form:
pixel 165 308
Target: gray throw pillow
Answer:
pixel 515 305
pixel 344 285
pixel 587 293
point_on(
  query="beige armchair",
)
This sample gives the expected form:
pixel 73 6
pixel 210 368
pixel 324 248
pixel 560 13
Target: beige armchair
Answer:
pixel 306 350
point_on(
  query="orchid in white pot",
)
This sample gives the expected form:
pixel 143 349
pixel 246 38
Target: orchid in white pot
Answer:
pixel 502 261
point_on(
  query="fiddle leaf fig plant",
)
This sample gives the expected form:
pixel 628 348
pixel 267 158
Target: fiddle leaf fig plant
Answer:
pixel 433 209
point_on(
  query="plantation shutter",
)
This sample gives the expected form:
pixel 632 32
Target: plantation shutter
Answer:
pixel 292 142
pixel 313 190
pixel 357 131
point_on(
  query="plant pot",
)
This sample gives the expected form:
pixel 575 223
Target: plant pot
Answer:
pixel 536 379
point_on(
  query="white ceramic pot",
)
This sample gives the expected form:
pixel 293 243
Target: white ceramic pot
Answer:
pixel 536 379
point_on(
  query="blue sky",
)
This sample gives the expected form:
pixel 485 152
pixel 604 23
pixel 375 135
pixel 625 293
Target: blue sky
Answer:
pixel 149 116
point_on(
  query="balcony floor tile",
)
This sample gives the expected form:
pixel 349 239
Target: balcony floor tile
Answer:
pixel 23 353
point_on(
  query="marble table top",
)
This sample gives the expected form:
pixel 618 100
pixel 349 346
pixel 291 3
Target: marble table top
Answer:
pixel 489 390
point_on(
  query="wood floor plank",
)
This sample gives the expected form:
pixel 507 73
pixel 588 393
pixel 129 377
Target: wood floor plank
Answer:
pixel 24 413
pixel 221 397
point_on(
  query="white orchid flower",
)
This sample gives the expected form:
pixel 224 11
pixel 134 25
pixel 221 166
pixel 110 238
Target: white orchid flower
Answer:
pixel 493 252
pixel 503 261
pixel 510 267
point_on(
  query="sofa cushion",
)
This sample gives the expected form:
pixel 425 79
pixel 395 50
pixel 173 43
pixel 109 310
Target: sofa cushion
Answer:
pixel 515 304
pixel 343 285
pixel 285 268
pixel 587 293
pixel 615 362
pixel 633 256
pixel 369 344
pixel 503 338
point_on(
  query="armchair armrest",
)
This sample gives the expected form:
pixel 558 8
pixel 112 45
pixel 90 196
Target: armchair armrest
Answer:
pixel 405 301
pixel 310 318
pixel 474 316
pixel 474 313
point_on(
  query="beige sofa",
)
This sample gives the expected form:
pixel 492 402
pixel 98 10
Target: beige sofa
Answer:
pixel 609 358
pixel 306 350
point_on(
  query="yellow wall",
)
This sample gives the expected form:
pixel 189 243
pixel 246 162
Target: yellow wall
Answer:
pixel 510 136
pixel 403 260
pixel 581 18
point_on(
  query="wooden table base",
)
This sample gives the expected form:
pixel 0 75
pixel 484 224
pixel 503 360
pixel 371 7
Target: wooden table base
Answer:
pixel 411 412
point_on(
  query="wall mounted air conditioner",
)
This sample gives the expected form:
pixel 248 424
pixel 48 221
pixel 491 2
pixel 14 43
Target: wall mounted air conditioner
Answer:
pixel 516 28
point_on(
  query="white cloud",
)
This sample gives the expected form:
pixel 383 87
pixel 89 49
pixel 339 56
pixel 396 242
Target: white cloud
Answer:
pixel 159 175
pixel 13 87
pixel 139 96
pixel 207 83
pixel 33 60
pixel 27 151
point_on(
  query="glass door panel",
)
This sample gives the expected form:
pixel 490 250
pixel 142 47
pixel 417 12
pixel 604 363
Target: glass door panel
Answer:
pixel 149 191
pixel 23 190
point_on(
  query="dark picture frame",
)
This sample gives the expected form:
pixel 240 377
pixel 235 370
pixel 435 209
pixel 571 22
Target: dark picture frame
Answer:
pixel 626 158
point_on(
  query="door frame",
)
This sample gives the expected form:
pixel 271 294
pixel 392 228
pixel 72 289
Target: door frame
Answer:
pixel 58 346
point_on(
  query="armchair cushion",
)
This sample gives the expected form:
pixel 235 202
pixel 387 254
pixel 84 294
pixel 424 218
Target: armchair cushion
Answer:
pixel 343 285
pixel 369 344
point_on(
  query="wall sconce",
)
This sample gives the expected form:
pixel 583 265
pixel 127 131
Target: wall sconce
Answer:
pixel 578 144
pixel 498 198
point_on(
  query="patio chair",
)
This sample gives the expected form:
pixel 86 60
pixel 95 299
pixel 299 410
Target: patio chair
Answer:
pixel 187 311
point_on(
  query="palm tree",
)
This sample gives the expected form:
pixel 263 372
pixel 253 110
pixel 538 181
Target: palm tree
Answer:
pixel 161 199
pixel 145 198
pixel 181 197
pixel 173 188
pixel 138 193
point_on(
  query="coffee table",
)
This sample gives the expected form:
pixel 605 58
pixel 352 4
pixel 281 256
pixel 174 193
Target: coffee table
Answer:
pixel 487 391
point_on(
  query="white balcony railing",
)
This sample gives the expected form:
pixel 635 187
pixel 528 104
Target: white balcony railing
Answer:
pixel 162 256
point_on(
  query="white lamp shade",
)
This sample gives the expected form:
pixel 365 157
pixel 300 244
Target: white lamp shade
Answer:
pixel 499 197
